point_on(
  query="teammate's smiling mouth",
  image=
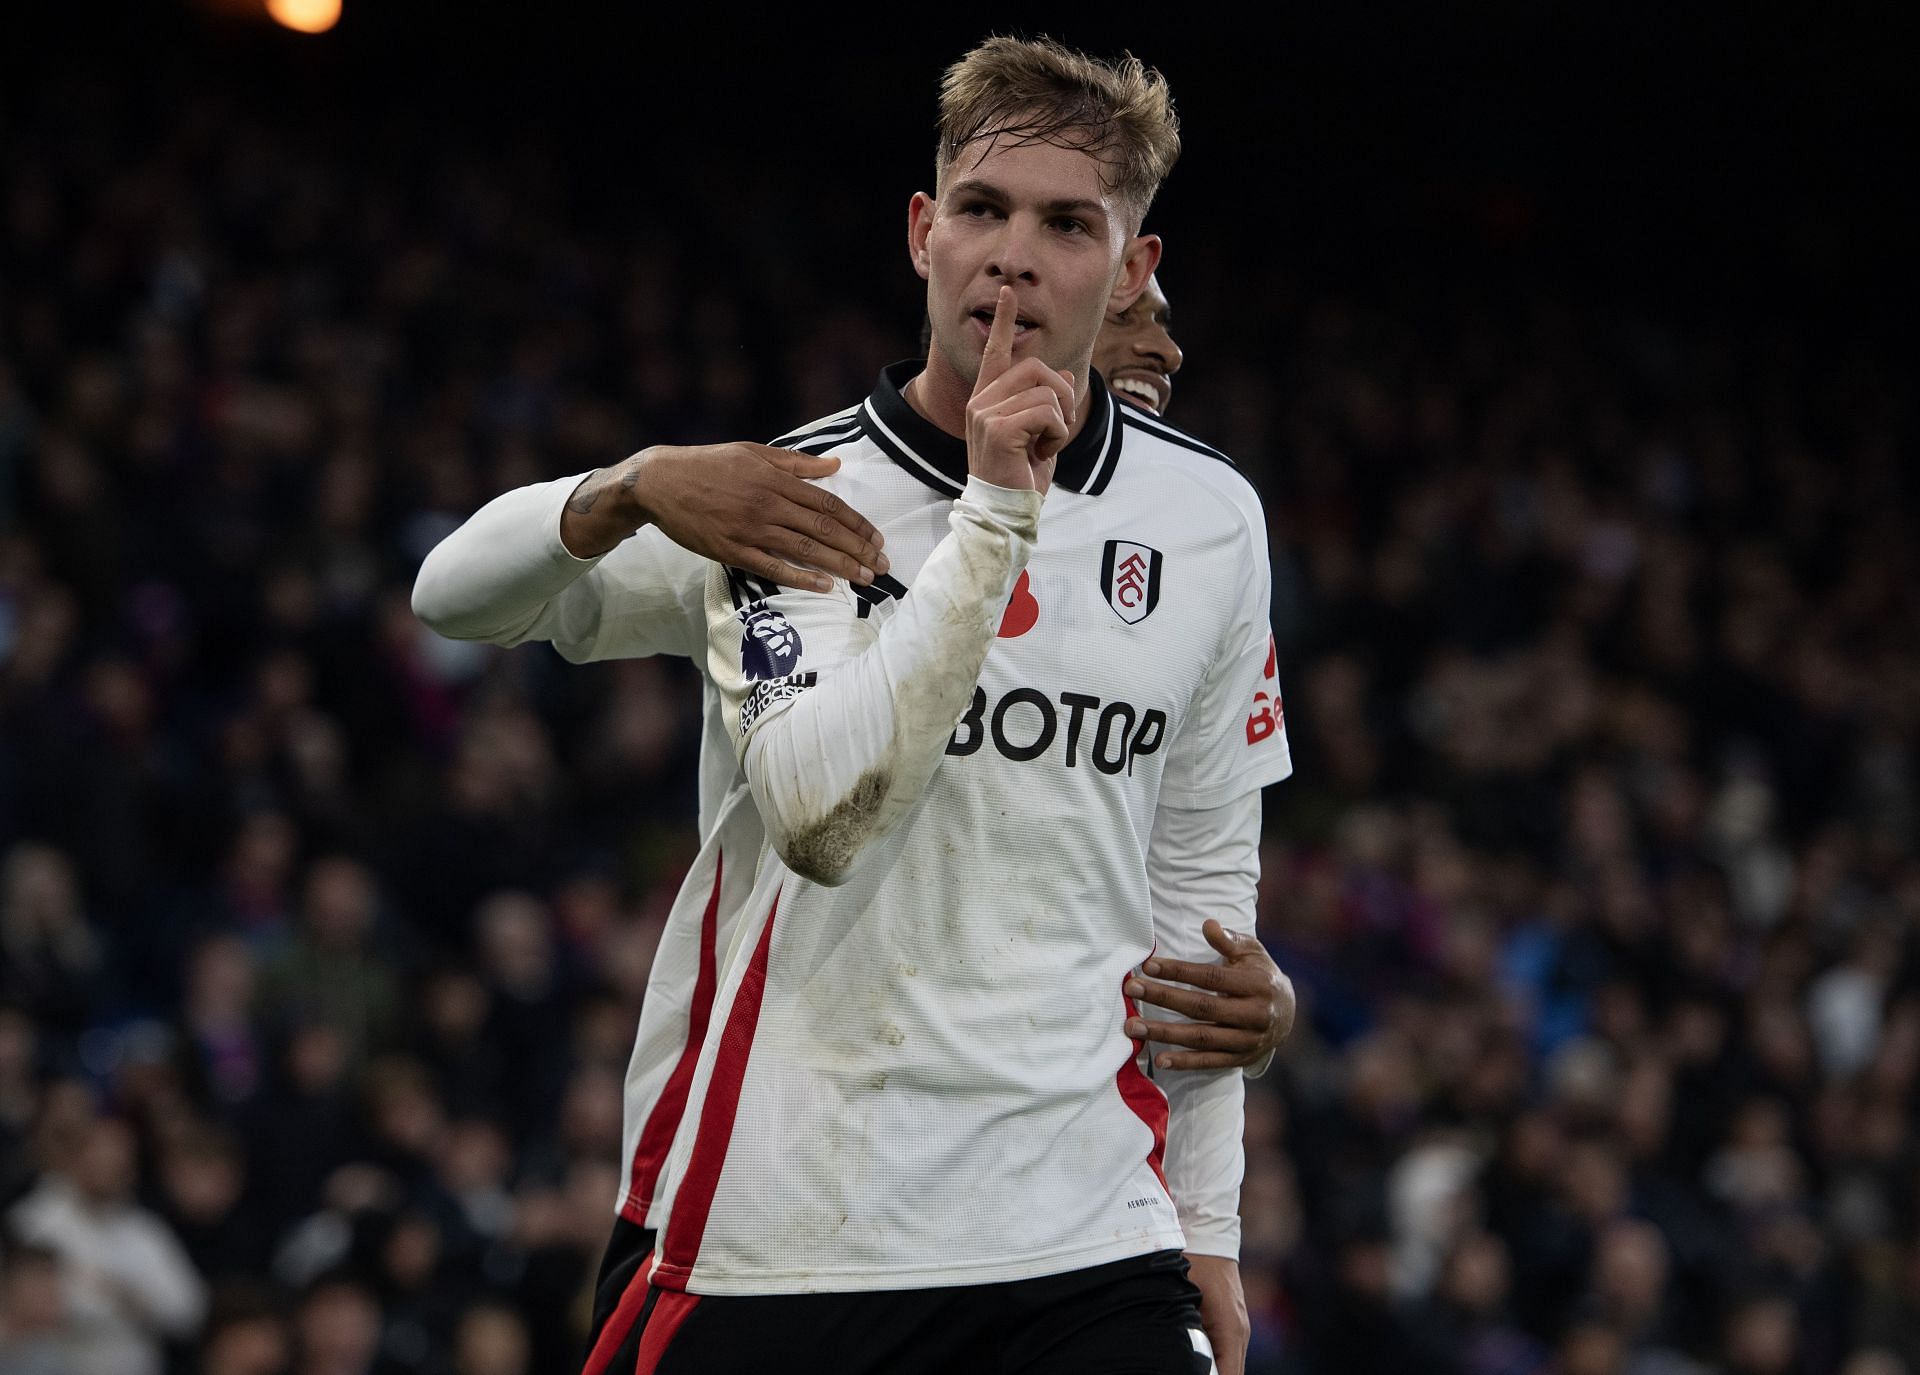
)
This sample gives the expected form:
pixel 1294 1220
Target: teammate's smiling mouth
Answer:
pixel 1147 386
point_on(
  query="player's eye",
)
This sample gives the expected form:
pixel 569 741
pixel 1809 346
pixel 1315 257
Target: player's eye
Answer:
pixel 978 209
pixel 1069 225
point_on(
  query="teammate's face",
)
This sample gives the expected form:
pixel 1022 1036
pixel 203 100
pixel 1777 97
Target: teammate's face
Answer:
pixel 1036 218
pixel 1136 354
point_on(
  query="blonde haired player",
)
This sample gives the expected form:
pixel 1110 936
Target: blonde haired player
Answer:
pixel 512 574
pixel 919 1136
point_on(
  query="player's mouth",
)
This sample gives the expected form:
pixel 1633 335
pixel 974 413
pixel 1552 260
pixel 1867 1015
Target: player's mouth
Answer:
pixel 1022 324
pixel 1144 387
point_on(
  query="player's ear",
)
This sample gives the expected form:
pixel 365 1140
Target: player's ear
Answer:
pixel 919 227
pixel 1137 267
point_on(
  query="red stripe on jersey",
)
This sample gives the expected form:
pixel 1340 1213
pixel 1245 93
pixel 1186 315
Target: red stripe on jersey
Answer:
pixel 687 1225
pixel 656 1138
pixel 1144 1097
pixel 669 1311
pixel 620 1322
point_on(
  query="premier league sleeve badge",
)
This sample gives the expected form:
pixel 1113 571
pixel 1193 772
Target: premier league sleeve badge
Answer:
pixel 771 646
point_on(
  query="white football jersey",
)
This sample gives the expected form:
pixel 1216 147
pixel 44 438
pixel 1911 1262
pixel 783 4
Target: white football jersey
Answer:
pixel 505 577
pixel 914 1072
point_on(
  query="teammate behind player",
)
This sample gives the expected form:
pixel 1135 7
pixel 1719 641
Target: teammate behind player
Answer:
pixel 1135 352
pixel 920 1126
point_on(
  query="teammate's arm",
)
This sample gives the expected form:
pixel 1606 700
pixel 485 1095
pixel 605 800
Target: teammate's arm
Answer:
pixel 1203 862
pixel 840 726
pixel 553 561
pixel 741 504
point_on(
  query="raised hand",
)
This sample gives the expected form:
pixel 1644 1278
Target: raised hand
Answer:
pixel 1020 414
pixel 1241 1009
pixel 744 505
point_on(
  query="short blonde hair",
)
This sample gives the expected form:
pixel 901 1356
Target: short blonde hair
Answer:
pixel 1034 90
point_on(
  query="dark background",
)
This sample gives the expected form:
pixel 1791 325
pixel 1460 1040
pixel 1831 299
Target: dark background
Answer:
pixel 1712 155
pixel 1569 346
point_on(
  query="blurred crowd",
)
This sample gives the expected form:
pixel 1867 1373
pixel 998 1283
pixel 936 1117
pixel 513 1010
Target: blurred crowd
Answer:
pixel 322 940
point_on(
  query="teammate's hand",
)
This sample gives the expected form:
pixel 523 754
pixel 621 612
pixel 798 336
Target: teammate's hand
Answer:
pixel 1241 1009
pixel 1019 415
pixel 1223 1310
pixel 744 505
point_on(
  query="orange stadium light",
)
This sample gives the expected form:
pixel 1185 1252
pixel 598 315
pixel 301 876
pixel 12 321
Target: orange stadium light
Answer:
pixel 306 16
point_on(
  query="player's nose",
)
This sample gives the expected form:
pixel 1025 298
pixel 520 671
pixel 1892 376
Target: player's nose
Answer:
pixel 1013 258
pixel 1158 344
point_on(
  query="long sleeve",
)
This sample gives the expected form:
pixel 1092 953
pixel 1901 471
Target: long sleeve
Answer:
pixel 506 577
pixel 1203 863
pixel 840 725
pixel 1203 860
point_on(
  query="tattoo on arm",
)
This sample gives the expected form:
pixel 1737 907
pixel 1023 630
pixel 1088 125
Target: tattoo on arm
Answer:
pixel 582 501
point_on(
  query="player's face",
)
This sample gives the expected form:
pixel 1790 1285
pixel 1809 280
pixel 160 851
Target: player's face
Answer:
pixel 1036 218
pixel 1136 354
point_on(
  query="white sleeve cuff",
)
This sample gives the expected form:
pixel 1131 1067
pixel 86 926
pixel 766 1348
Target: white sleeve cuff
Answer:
pixel 560 493
pixel 1016 508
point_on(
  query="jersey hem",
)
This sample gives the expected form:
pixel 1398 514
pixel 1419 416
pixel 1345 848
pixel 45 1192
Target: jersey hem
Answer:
pixel 700 1281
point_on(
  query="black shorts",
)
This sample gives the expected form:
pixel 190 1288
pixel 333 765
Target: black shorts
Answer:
pixel 1139 1316
pixel 618 1296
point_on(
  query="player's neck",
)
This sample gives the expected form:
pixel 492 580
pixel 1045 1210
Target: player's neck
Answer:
pixel 940 395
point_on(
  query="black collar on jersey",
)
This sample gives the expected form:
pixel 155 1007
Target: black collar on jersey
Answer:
pixel 940 459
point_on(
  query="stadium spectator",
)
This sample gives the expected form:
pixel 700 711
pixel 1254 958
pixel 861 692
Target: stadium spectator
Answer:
pixel 337 969
pixel 51 954
pixel 38 1333
pixel 491 1340
pixel 202 1188
pixel 131 1286
pixel 245 1334
pixel 219 1020
pixel 338 1330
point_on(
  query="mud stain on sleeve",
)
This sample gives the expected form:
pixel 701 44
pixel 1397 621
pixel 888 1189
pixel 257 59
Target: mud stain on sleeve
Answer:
pixel 823 850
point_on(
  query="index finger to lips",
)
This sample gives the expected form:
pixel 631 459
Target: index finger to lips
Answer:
pixel 999 354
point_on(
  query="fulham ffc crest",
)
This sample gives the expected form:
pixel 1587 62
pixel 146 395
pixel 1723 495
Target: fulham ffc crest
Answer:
pixel 1130 576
